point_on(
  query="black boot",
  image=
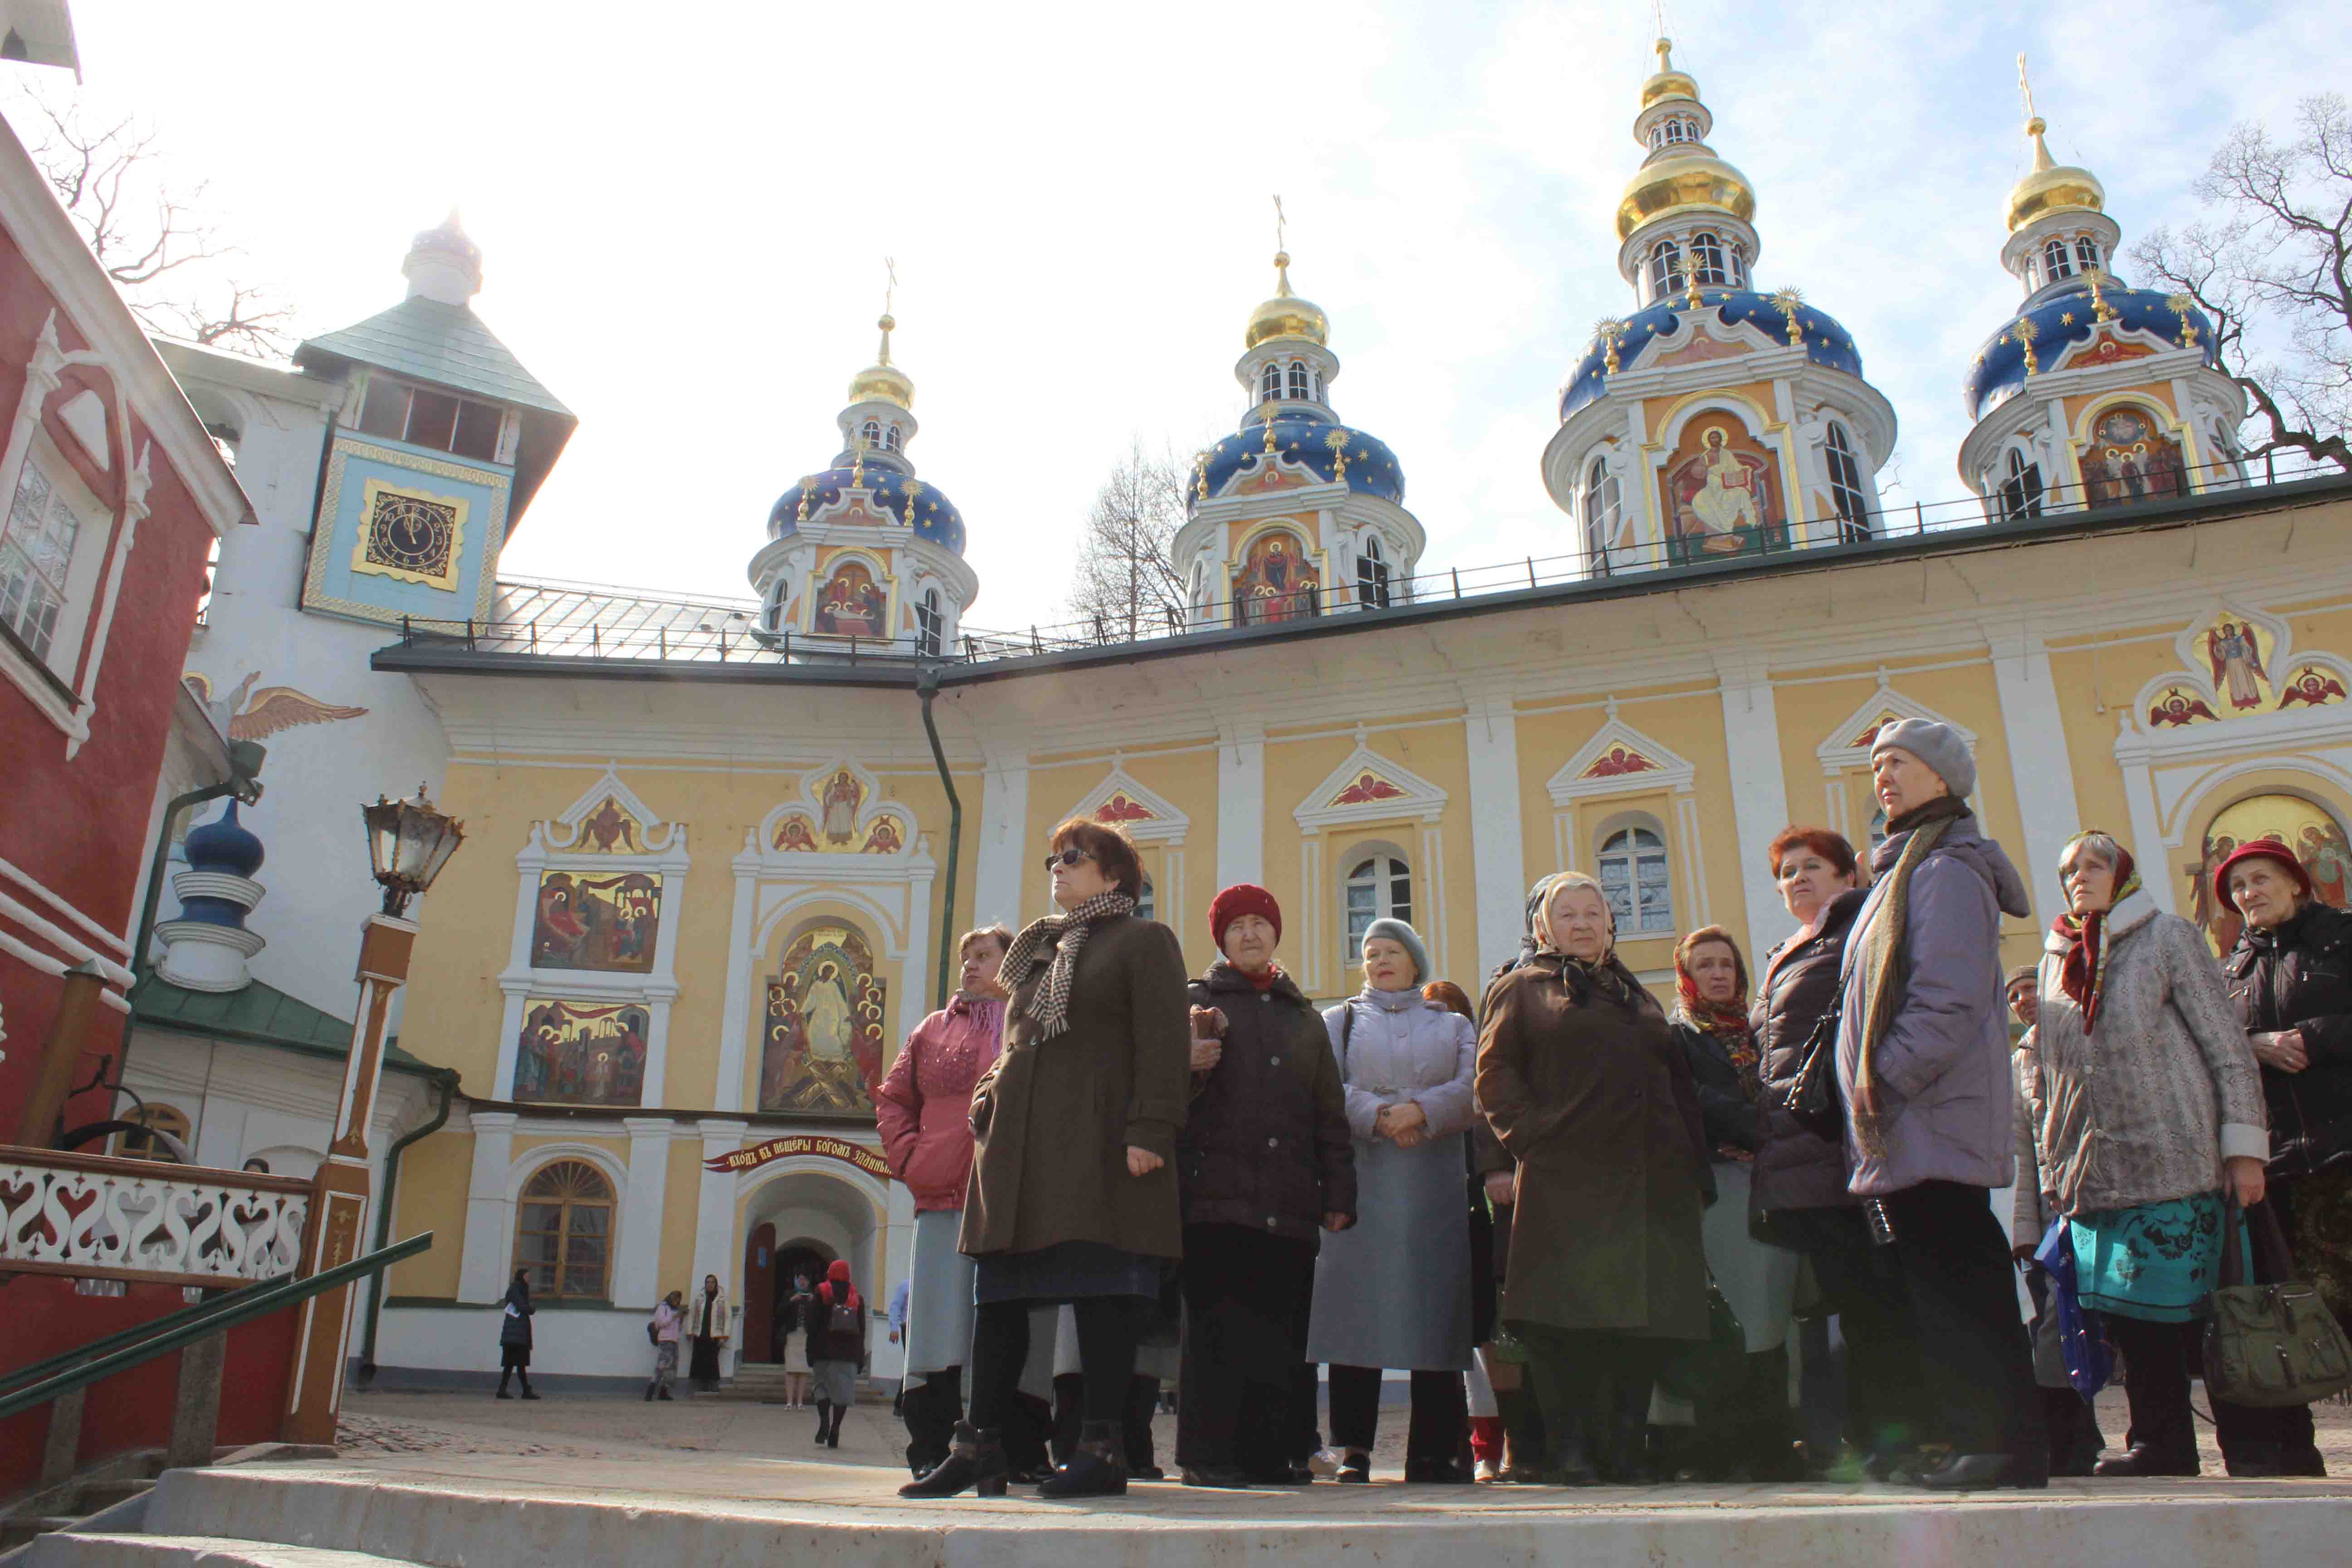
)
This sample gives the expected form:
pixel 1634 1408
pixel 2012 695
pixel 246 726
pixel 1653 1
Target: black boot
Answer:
pixel 1097 1468
pixel 975 1460
pixel 524 1378
pixel 506 1375
pixel 823 1420
pixel 832 1436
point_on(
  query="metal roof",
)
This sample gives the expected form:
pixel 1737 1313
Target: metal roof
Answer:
pixel 256 1014
pixel 447 345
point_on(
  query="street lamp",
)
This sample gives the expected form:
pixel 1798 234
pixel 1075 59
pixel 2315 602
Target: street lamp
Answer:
pixel 409 841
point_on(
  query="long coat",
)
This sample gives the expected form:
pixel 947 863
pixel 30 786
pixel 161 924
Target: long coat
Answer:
pixel 1052 1119
pixel 1265 1143
pixel 2300 977
pixel 1394 1291
pixel 1593 1097
pixel 1798 1168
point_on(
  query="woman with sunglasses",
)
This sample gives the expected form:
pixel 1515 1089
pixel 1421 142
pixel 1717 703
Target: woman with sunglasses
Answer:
pixel 1073 1198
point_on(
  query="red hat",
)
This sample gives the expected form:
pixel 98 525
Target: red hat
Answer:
pixel 2259 849
pixel 1242 899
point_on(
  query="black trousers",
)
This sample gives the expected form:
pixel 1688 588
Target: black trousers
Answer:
pixel 1954 1260
pixel 1441 1414
pixel 1884 1410
pixel 1246 1299
pixel 1109 1327
pixel 1592 1389
pixel 930 1409
pixel 2158 1359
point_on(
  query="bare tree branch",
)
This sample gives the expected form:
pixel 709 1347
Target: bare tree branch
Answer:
pixel 1125 578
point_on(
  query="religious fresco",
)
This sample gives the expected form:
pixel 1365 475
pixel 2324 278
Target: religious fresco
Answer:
pixel 2130 460
pixel 607 924
pixel 2317 839
pixel 1276 581
pixel 1123 807
pixel 850 603
pixel 1365 788
pixel 821 1052
pixel 1617 761
pixel 579 1053
pixel 611 830
pixel 2238 651
pixel 1722 492
pixel 835 816
pixel 2313 686
pixel 2178 706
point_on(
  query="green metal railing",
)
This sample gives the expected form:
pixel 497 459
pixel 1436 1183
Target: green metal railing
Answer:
pixel 182 1329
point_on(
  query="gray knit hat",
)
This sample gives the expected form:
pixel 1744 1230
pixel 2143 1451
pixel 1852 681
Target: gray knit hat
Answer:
pixel 2023 972
pixel 1398 931
pixel 1938 746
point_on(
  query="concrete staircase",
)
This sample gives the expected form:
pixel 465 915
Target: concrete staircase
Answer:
pixel 78 1498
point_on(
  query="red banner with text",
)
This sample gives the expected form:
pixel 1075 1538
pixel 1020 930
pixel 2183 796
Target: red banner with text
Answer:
pixel 842 1149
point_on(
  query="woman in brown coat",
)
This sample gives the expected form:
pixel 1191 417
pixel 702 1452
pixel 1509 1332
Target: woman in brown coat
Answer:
pixel 1590 1093
pixel 1073 1198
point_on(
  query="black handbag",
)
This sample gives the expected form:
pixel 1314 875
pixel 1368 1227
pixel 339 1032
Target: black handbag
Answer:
pixel 2274 1343
pixel 1813 1099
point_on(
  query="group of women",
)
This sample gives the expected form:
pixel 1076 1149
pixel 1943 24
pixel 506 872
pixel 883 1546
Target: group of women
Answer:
pixel 1083 1126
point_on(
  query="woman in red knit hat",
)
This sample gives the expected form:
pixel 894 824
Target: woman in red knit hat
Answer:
pixel 1265 1166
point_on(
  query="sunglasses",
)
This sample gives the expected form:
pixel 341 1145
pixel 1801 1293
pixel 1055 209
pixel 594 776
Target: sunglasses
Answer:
pixel 1065 857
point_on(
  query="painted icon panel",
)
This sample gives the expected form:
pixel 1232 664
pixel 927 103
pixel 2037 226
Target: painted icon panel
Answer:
pixel 822 1050
pixel 1276 581
pixel 581 1053
pixel 607 924
pixel 1722 492
pixel 2130 458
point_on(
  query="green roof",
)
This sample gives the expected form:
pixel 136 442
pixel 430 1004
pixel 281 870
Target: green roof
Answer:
pixel 255 1014
pixel 447 345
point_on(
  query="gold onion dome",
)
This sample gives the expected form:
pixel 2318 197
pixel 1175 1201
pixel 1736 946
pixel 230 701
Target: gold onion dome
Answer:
pixel 1286 315
pixel 1668 82
pixel 1683 177
pixel 2051 187
pixel 883 381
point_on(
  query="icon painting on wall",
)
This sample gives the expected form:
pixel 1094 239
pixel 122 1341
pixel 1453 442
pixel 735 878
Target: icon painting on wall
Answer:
pixel 822 1050
pixel 596 922
pixel 851 605
pixel 2130 460
pixel 2317 839
pixel 1276 581
pixel 2235 648
pixel 575 1053
pixel 1722 497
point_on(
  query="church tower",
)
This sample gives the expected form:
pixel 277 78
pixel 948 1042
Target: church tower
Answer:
pixel 862 553
pixel 441 442
pixel 2095 393
pixel 1714 421
pixel 1294 514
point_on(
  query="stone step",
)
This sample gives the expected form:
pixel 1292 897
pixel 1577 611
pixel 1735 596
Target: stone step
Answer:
pixel 68 1551
pixel 96 1495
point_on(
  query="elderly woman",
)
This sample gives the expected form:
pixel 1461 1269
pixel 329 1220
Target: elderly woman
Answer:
pixel 923 1111
pixel 1072 1198
pixel 1394 1291
pixel 1748 1426
pixel 2147 1108
pixel 1267 1167
pixel 2291 976
pixel 1589 1091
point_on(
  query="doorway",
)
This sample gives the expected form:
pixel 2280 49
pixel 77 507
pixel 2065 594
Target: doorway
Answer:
pixel 798 1260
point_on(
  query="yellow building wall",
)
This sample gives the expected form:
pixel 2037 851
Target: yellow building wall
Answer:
pixel 1185 777
pixel 433 1175
pixel 681 1191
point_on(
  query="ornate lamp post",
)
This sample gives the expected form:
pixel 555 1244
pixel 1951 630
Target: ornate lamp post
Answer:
pixel 408 843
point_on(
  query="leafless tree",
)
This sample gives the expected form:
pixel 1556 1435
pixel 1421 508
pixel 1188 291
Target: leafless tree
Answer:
pixel 2274 271
pixel 150 235
pixel 1127 578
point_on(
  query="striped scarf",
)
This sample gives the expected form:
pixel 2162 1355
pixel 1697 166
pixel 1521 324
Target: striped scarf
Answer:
pixel 1879 961
pixel 1050 1004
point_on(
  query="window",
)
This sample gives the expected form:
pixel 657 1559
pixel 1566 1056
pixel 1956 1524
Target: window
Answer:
pixel 1379 889
pixel 930 624
pixel 1601 509
pixel 1667 132
pixel 1299 388
pixel 1666 269
pixel 48 554
pixel 2020 491
pixel 1634 876
pixel 1146 901
pixel 1269 382
pixel 1372 575
pixel 871 433
pixel 143 1144
pixel 1707 259
pixel 563 1232
pixel 2054 261
pixel 1738 265
pixel 1877 831
pixel 423 418
pixel 1845 486
pixel 890 437
pixel 2087 253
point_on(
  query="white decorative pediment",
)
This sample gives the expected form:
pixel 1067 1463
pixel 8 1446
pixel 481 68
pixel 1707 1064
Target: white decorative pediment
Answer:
pixel 1848 746
pixel 608 821
pixel 840 812
pixel 1120 802
pixel 1370 787
pixel 1620 759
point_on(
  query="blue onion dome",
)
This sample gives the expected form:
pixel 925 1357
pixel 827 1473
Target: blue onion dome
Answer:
pixel 1314 441
pixel 224 844
pixel 2051 327
pixel 917 503
pixel 1826 342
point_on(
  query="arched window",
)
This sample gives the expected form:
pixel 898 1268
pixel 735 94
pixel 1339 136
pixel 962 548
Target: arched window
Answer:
pixel 1379 889
pixel 1372 575
pixel 890 437
pixel 168 1119
pixel 1146 902
pixel 1300 390
pixel 1601 512
pixel 1666 269
pixel 1668 131
pixel 1633 874
pixel 2055 261
pixel 872 433
pixel 2020 489
pixel 1199 594
pixel 1269 382
pixel 930 624
pixel 2033 272
pixel 1738 265
pixel 2087 253
pixel 563 1232
pixel 1845 486
pixel 1708 260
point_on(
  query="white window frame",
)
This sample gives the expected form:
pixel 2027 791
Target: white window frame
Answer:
pixel 1372 574
pixel 1604 511
pixel 1302 382
pixel 76 589
pixel 1707 259
pixel 1846 492
pixel 2057 260
pixel 930 623
pixel 1377 869
pixel 2020 489
pixel 1269 381
pixel 2087 253
pixel 1621 847
pixel 1665 271
pixel 872 432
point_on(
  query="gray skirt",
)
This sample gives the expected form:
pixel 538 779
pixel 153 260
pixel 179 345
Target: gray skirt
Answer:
pixel 1758 1279
pixel 1069 1270
pixel 939 1296
pixel 836 1381
pixel 1395 1290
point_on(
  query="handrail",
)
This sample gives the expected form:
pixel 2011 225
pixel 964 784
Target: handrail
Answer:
pixel 212 1318
pixel 132 1335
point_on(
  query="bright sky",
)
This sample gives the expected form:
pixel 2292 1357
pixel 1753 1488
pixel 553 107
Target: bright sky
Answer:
pixel 684 211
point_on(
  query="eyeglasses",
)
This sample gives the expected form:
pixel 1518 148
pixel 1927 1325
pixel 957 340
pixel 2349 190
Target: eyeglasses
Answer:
pixel 1065 857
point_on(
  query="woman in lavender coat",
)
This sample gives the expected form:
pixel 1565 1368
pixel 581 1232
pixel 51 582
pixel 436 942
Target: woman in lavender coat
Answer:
pixel 1395 1291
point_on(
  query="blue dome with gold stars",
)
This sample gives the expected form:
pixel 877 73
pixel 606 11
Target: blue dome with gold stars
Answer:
pixel 1827 343
pixel 1306 440
pixel 917 503
pixel 2066 319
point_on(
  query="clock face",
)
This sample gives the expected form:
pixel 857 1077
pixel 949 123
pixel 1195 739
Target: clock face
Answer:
pixel 409 533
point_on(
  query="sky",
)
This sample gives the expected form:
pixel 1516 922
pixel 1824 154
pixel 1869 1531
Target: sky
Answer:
pixel 684 209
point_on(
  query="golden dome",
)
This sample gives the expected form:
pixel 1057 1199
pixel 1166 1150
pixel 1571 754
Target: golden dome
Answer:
pixel 1669 82
pixel 883 381
pixel 1676 184
pixel 2051 187
pixel 1286 315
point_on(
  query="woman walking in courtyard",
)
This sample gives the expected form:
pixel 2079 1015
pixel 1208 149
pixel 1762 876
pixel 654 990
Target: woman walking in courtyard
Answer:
pixel 1072 1196
pixel 669 1316
pixel 837 1350
pixel 514 1335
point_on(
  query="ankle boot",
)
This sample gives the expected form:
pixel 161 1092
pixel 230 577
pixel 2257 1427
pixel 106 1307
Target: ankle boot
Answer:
pixel 1098 1467
pixel 832 1434
pixel 823 1420
pixel 975 1459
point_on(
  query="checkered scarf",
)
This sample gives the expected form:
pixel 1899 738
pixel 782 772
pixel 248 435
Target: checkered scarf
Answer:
pixel 1050 1004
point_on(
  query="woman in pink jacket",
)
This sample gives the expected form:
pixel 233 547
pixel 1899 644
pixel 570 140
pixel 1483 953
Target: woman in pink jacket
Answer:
pixel 924 1110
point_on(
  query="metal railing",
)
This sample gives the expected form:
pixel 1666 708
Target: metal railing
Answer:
pixel 583 621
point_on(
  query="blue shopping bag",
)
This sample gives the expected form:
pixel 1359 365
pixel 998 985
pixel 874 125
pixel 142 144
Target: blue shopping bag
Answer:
pixel 2083 1336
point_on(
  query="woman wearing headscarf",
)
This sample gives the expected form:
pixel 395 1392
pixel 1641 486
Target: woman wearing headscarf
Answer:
pixel 837 1349
pixel 1072 1198
pixel 1266 1166
pixel 1589 1091
pixel 1747 1428
pixel 705 1324
pixel 1394 1291
pixel 514 1335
